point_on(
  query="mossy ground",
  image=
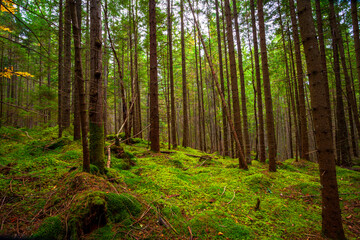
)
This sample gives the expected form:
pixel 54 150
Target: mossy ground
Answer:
pixel 149 195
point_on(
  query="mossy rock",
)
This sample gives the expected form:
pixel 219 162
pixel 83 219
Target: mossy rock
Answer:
pixel 51 229
pixel 93 210
pixel 122 207
pixel 58 143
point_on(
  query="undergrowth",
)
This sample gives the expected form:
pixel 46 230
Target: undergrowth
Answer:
pixel 174 195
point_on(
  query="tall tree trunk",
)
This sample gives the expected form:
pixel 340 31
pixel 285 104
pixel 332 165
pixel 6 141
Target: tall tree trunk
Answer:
pixel 60 68
pixel 242 161
pixel 337 38
pixel 65 116
pixel 331 213
pixel 198 93
pixel 270 128
pixel 221 70
pixel 355 23
pixel 77 110
pixel 262 156
pixel 154 102
pixel 79 80
pixel 96 120
pixel 137 130
pixel 299 74
pixel 185 142
pixel 342 142
pixel 242 83
pixel 289 94
pixel 234 86
pixel 172 91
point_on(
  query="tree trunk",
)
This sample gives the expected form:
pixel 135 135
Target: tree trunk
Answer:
pixel 242 161
pixel 79 80
pixel 331 213
pixel 171 75
pixel 154 102
pixel 262 156
pixel 355 23
pixel 337 39
pixel 221 70
pixel 65 116
pixel 299 75
pixel 60 68
pixel 242 83
pixel 234 86
pixel 270 128
pixel 185 142
pixel 77 110
pixel 96 125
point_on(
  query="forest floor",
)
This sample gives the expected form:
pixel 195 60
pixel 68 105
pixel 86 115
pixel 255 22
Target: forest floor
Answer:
pixel 177 194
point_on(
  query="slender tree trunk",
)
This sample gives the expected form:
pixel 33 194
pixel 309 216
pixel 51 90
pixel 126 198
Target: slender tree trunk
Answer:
pixel 221 70
pixel 302 116
pixel 172 93
pixel 65 116
pixel 242 163
pixel 185 142
pixel 290 96
pixel 96 125
pixel 60 68
pixel 270 128
pixel 355 23
pixel 233 75
pixel 138 131
pixel 242 83
pixel 80 81
pixel 198 94
pixel 258 84
pixel 77 110
pixel 331 213
pixel 154 102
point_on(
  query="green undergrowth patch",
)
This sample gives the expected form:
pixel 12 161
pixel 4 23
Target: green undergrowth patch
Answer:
pixel 146 195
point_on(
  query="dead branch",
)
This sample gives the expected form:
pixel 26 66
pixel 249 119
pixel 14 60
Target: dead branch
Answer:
pixel 232 198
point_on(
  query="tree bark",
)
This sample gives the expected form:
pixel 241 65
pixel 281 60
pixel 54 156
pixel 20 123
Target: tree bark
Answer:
pixel 233 75
pixel 185 142
pixel 60 68
pixel 154 102
pixel 96 120
pixel 221 70
pixel 262 156
pixel 171 75
pixel 65 116
pixel 270 128
pixel 242 84
pixel 79 80
pixel 299 75
pixel 331 213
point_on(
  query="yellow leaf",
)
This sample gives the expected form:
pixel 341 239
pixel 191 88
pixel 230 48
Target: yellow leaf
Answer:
pixel 220 233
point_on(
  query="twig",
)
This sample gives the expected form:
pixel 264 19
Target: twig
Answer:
pixel 11 186
pixel 141 217
pixel 223 191
pixel 232 198
pixel 202 163
pixel 109 158
pixel 191 235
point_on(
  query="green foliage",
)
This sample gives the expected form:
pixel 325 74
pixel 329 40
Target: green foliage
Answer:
pixel 51 229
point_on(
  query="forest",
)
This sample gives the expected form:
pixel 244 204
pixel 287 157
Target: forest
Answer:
pixel 179 119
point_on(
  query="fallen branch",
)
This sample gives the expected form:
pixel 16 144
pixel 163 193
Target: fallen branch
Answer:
pixel 142 216
pixel 190 155
pixel 232 198
pixel 223 191
pixel 191 235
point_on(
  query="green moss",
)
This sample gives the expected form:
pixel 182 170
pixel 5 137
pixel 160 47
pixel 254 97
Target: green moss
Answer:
pixel 122 207
pixel 51 229
pixel 96 146
pixel 71 155
pixel 94 169
pixel 104 233
pixel 257 181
